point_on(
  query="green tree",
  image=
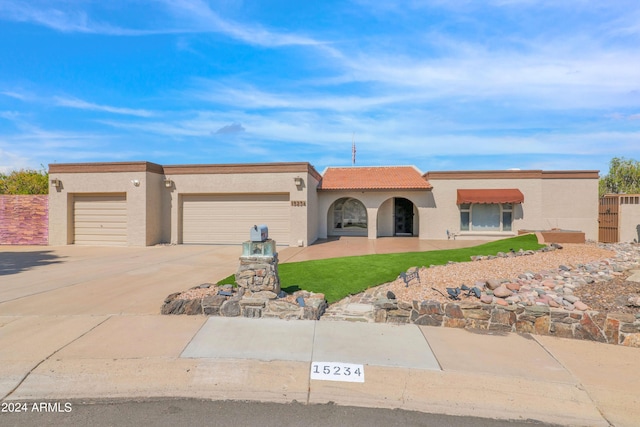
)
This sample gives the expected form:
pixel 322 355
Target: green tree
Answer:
pixel 25 181
pixel 623 177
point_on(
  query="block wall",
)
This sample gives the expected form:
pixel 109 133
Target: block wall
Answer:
pixel 24 220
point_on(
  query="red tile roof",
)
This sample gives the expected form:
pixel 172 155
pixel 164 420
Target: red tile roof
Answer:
pixel 374 178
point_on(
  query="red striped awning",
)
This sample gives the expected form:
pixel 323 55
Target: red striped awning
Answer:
pixel 497 195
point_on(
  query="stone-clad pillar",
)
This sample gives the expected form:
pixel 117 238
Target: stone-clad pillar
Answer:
pixel 258 269
pixel 257 274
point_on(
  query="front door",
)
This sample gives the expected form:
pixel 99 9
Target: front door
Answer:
pixel 403 210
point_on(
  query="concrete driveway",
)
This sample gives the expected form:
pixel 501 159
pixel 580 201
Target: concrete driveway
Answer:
pixel 76 280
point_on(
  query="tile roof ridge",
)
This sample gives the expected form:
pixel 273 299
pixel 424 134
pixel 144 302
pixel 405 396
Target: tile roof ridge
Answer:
pixel 414 167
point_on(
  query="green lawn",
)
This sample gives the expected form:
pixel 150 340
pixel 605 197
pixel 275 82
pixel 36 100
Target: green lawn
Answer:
pixel 337 278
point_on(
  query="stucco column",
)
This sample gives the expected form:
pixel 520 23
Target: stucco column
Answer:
pixel 423 221
pixel 176 217
pixel 372 223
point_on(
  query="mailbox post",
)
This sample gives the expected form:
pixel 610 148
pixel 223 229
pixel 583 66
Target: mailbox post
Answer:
pixel 258 270
pixel 259 243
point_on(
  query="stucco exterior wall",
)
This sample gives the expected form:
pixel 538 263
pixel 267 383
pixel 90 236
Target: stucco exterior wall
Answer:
pixel 570 204
pixel 312 208
pixel 379 205
pixel 167 202
pixel 385 219
pixel 629 223
pixel 567 200
pixel 243 183
pixel 446 212
pixel 560 201
pixel 153 209
pixel 78 184
pixel 156 192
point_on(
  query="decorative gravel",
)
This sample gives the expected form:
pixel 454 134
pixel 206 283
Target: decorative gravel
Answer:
pixel 468 273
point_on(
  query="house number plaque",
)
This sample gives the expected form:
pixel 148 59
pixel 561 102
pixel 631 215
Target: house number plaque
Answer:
pixel 336 371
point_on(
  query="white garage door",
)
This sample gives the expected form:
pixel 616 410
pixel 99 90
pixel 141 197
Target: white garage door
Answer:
pixel 100 220
pixel 227 219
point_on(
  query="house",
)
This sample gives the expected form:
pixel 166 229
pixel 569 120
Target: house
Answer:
pixel 142 203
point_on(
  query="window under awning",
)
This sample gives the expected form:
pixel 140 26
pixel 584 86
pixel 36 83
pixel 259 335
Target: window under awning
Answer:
pixel 497 195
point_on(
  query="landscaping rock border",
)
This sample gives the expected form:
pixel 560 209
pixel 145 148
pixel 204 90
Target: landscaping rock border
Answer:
pixel 541 303
pixel 227 301
pixel 620 328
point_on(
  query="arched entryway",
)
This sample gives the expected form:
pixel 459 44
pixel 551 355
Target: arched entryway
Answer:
pixel 398 216
pixel 347 217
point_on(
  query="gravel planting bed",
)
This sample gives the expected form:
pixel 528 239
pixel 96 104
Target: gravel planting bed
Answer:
pixel 433 281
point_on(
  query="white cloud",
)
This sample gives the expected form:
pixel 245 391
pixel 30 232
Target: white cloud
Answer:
pixel 67 21
pixel 10 115
pixel 84 105
pixel 199 17
pixel 17 95
pixel 10 161
pixel 411 138
pixel 554 77
pixel 33 146
pixel 182 17
pixel 240 95
pixel 415 132
pixel 627 24
pixel 175 128
pixel 571 72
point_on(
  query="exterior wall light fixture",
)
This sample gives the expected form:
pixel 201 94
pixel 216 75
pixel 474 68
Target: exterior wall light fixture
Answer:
pixel 168 183
pixel 135 182
pixel 298 181
pixel 55 182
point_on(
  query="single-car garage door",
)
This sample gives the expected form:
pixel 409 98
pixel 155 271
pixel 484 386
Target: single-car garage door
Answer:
pixel 227 219
pixel 100 220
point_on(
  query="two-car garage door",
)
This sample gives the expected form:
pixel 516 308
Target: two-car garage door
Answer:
pixel 227 219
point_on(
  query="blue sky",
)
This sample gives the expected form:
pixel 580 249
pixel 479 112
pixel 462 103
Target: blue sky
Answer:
pixel 442 85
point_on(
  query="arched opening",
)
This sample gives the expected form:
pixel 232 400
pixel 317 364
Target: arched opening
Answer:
pixel 347 217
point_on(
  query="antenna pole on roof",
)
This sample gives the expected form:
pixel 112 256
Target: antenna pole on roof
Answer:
pixel 353 150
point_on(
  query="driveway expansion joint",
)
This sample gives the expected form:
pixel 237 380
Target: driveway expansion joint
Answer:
pixel 24 378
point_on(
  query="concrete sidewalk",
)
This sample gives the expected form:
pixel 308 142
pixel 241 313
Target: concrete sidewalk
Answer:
pixel 83 323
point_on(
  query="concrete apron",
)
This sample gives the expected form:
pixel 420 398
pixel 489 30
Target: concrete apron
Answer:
pixel 408 367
